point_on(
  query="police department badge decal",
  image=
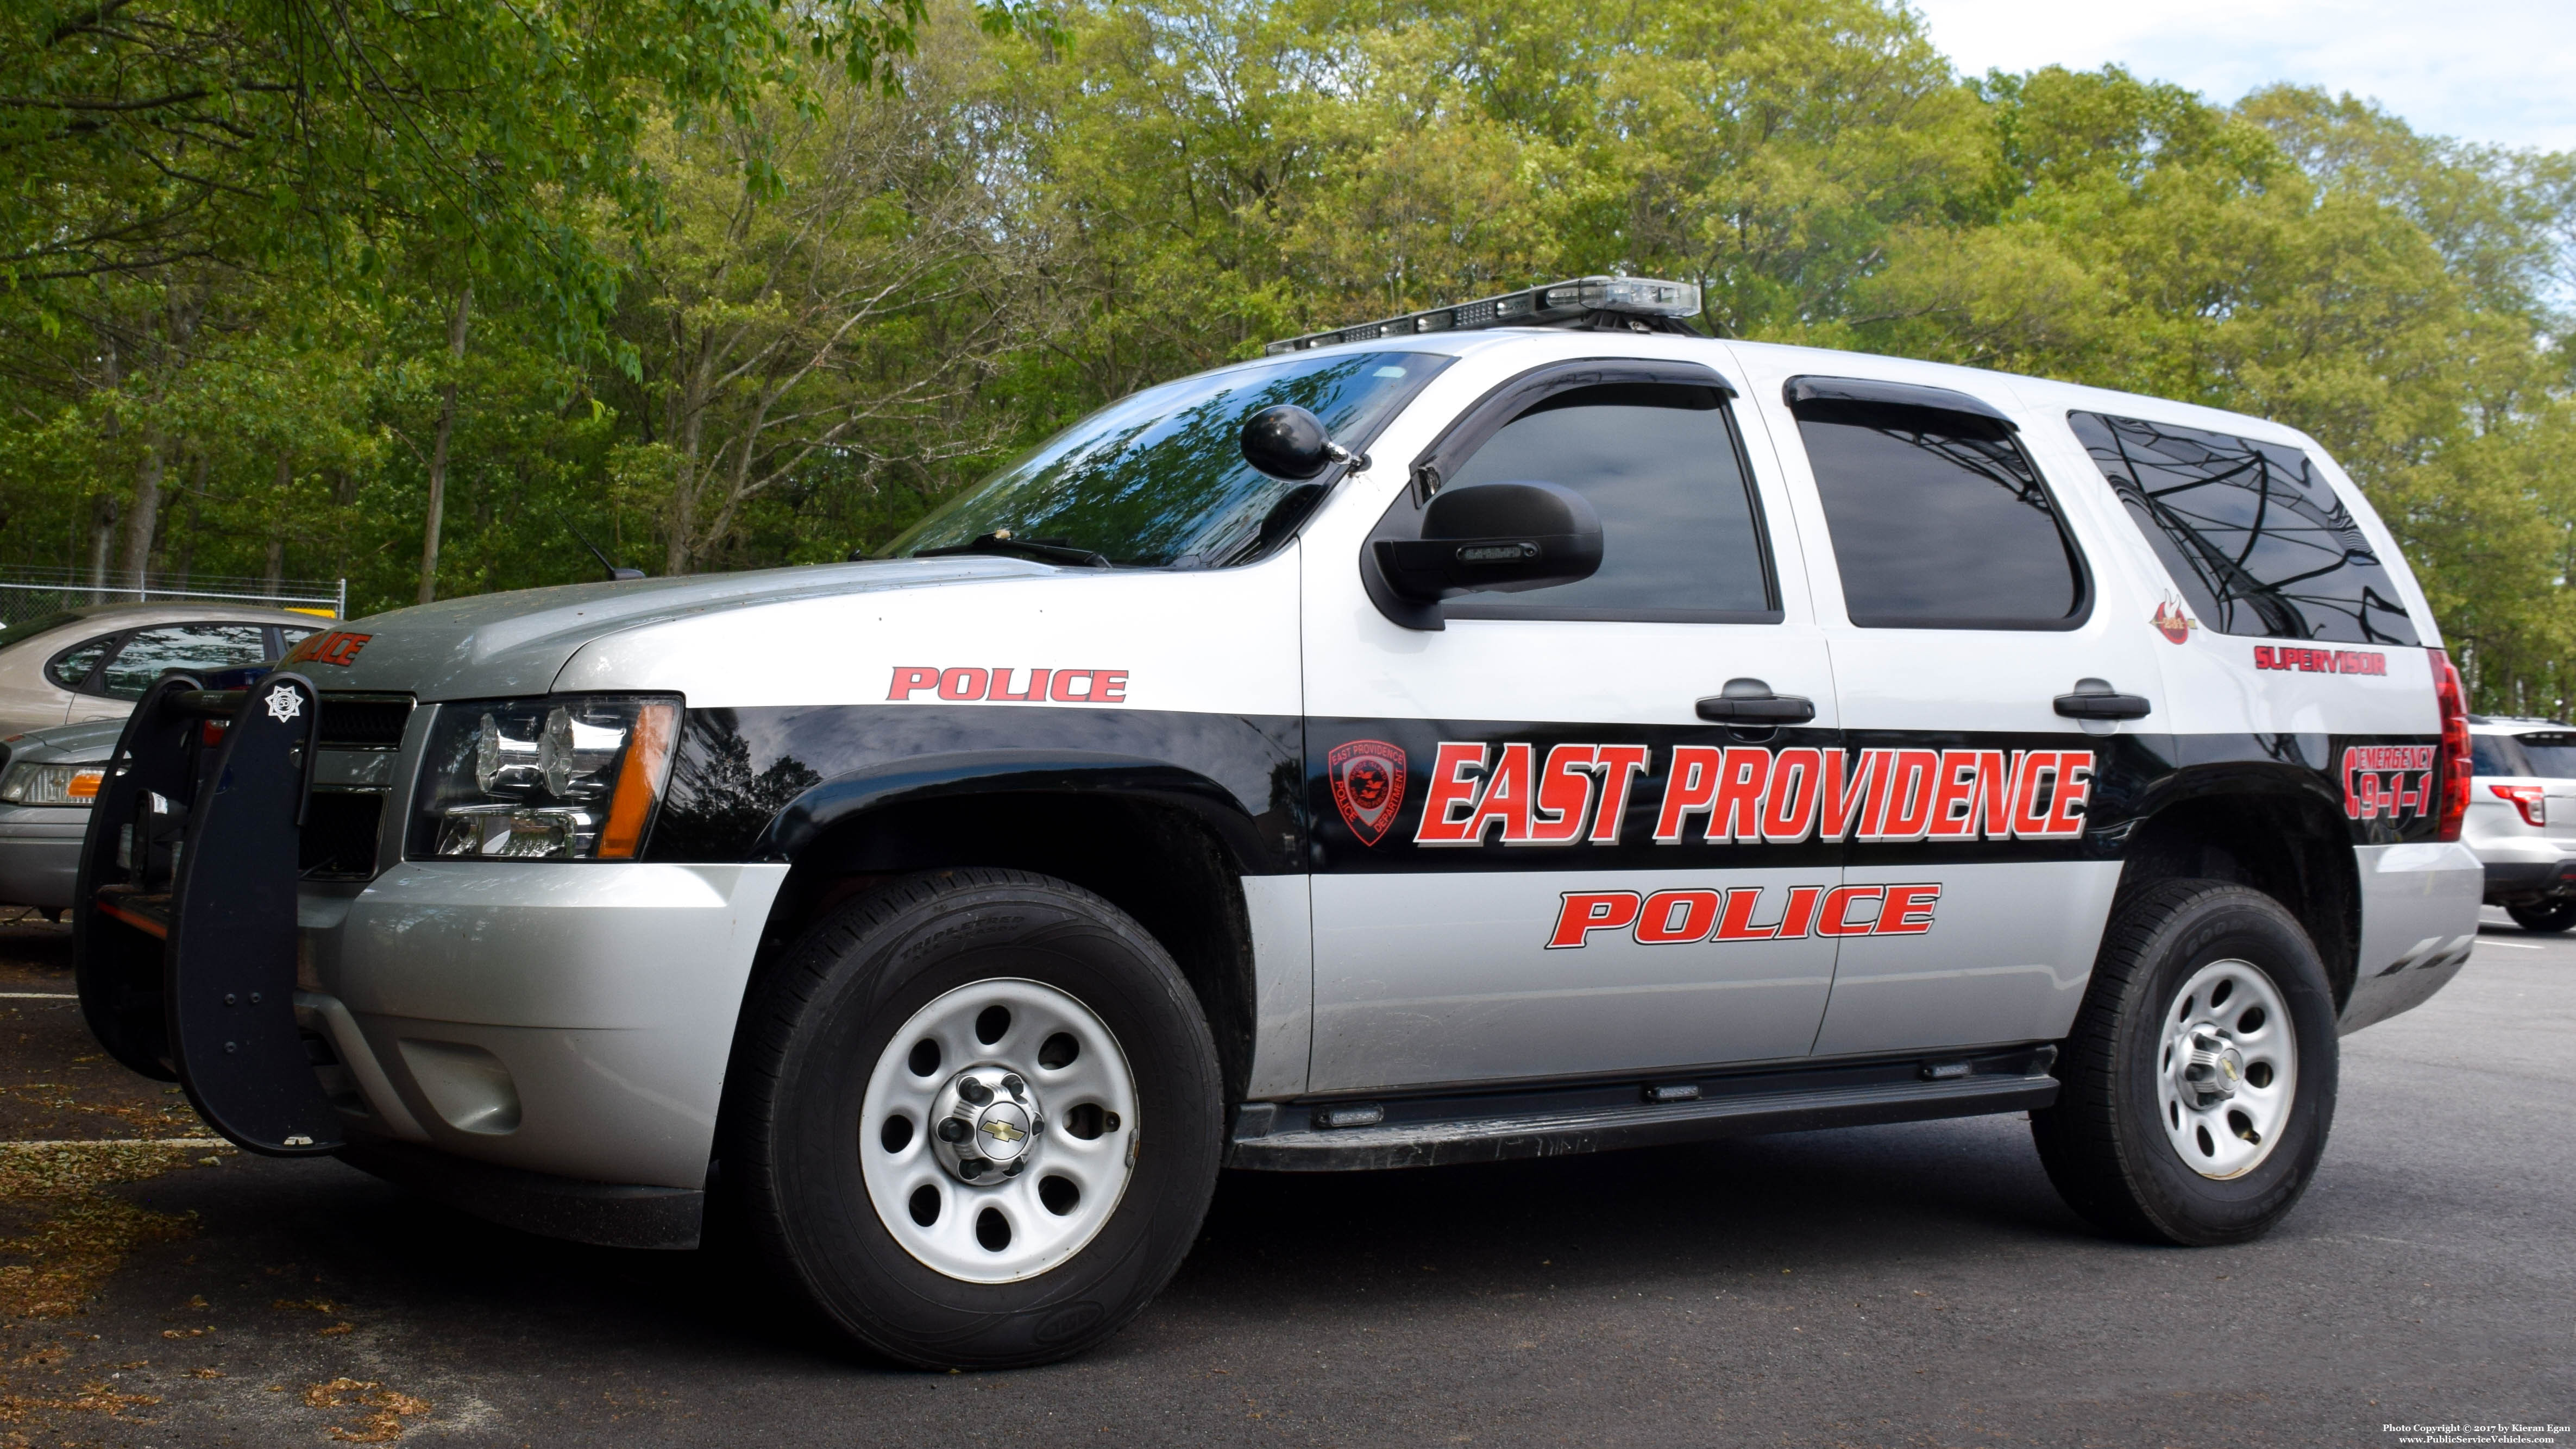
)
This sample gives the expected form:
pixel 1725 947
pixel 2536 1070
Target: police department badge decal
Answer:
pixel 1368 785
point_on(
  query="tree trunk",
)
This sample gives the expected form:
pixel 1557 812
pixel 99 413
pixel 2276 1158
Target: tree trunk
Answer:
pixel 276 571
pixel 438 449
pixel 102 542
pixel 145 515
pixel 188 544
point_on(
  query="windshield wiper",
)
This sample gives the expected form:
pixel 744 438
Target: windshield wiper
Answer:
pixel 1044 550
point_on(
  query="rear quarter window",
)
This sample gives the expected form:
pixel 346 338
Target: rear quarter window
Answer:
pixel 2252 533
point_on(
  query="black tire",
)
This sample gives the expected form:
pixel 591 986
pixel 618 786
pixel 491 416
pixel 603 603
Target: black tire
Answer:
pixel 819 1024
pixel 2103 1144
pixel 2547 918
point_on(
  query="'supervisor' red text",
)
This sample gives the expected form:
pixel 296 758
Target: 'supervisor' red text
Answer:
pixel 1748 794
pixel 1680 917
pixel 2320 661
pixel 1019 686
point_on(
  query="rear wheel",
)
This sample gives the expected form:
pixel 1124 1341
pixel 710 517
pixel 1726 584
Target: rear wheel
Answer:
pixel 2199 1082
pixel 976 1119
pixel 2546 916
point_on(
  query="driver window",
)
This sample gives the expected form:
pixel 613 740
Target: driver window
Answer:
pixel 1681 540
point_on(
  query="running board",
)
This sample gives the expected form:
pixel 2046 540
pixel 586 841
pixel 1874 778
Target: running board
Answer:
pixel 1344 1134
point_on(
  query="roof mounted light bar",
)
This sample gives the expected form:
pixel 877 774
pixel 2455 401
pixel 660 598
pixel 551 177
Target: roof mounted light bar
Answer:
pixel 1555 302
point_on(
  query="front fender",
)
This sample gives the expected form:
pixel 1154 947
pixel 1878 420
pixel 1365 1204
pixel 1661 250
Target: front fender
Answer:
pixel 1009 771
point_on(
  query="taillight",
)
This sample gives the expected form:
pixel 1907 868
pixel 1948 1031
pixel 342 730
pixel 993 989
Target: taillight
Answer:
pixel 2457 765
pixel 2531 800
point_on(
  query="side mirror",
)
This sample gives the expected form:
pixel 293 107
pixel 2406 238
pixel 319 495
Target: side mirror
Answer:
pixel 1495 537
pixel 1289 442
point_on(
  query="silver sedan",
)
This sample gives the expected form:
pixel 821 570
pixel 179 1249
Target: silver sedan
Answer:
pixel 46 786
pixel 93 663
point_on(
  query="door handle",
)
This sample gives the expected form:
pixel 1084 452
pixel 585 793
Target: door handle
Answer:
pixel 1750 701
pixel 2096 699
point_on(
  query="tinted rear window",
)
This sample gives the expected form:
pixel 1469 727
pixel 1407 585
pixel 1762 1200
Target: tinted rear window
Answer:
pixel 2493 755
pixel 2552 756
pixel 1938 521
pixel 2252 533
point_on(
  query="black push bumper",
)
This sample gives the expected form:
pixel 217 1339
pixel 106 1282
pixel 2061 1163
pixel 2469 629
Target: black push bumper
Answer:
pixel 185 909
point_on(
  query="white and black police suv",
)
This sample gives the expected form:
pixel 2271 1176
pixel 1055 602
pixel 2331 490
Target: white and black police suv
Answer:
pixel 1507 730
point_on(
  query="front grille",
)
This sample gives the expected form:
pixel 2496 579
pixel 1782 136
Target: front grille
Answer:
pixel 365 721
pixel 340 827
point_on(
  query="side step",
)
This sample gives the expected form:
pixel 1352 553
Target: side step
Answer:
pixel 1343 1134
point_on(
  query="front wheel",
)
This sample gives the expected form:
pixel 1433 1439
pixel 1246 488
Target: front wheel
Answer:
pixel 2199 1083
pixel 2547 917
pixel 977 1119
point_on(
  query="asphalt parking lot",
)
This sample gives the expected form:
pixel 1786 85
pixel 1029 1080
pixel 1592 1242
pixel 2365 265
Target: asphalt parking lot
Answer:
pixel 1915 1285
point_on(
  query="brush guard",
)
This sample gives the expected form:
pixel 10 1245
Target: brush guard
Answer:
pixel 184 919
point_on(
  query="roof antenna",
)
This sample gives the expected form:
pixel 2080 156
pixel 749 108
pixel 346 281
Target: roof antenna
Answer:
pixel 617 573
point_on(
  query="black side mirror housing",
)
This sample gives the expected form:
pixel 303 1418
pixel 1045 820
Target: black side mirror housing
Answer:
pixel 1494 537
pixel 1287 442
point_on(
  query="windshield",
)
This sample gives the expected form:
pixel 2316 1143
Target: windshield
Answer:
pixel 1158 479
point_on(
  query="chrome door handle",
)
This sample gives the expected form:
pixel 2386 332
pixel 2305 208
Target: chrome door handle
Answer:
pixel 1750 701
pixel 2096 699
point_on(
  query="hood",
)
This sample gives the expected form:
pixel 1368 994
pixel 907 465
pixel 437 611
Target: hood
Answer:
pixel 493 645
pixel 71 744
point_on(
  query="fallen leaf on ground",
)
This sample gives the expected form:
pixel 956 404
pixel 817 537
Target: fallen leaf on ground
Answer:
pixel 387 1409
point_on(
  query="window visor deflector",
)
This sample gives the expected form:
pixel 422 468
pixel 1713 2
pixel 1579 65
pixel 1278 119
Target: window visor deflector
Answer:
pixel 1487 415
pixel 1803 393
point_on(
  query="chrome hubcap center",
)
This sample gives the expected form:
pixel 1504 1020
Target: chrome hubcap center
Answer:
pixel 988 1124
pixel 2211 1070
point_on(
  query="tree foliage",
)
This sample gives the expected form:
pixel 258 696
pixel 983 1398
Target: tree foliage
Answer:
pixel 757 284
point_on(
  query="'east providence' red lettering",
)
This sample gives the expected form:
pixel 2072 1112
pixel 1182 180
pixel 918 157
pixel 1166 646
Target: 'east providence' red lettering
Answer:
pixel 1506 799
pixel 1443 822
pixel 1620 765
pixel 1564 794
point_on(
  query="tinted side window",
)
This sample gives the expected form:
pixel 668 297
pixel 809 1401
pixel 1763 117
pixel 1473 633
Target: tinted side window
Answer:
pixel 2493 755
pixel 180 646
pixel 2253 535
pixel 72 667
pixel 1939 521
pixel 1679 536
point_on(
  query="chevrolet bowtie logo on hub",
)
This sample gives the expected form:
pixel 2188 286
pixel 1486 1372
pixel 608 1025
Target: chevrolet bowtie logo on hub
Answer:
pixel 1004 1129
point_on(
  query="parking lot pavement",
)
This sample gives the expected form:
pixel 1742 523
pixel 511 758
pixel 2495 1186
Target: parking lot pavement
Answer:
pixel 1913 1285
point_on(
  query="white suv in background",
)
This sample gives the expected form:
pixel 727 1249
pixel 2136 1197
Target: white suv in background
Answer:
pixel 2522 818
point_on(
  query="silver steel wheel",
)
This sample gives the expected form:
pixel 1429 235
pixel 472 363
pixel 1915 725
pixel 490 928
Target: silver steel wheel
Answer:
pixel 2227 1069
pixel 999 1130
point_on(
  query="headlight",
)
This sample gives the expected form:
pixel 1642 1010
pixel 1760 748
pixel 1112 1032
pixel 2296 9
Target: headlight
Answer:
pixel 543 779
pixel 52 784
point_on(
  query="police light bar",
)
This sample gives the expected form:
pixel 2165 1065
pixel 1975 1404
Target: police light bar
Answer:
pixel 1535 307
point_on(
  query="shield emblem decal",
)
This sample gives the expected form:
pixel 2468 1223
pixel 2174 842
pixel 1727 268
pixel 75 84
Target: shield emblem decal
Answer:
pixel 1368 785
